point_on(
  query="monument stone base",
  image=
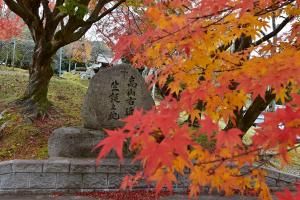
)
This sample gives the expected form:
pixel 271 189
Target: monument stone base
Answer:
pixel 75 142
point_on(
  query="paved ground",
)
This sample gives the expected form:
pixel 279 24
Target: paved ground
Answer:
pixel 43 197
pixel 174 197
pixel 209 197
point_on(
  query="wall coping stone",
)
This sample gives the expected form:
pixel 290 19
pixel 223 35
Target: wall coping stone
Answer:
pixel 281 173
pixel 27 165
pixel 6 167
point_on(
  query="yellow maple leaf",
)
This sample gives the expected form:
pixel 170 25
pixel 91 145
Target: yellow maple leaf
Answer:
pixel 281 95
pixel 154 52
pixel 179 164
pixel 265 192
pixel 194 190
pixel 199 176
pixel 195 114
pixel 174 87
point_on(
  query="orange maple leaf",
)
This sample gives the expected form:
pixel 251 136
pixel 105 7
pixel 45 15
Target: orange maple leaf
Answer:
pixel 229 139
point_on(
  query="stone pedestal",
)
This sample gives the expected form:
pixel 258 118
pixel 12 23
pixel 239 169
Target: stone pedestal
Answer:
pixel 75 142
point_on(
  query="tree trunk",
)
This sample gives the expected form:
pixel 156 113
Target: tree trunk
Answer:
pixel 69 70
pixel 6 59
pixel 40 72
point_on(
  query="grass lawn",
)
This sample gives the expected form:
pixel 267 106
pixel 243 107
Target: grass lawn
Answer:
pixel 22 138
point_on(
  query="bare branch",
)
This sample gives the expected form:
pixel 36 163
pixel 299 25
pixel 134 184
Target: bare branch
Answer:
pixel 16 8
pixel 274 32
pixel 108 11
pixel 46 9
pixel 274 7
pixel 98 8
pixel 76 28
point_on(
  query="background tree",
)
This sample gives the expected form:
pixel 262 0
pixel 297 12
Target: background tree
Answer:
pixel 124 20
pixel 10 24
pixel 54 24
pixel 79 52
pixel 82 52
pixel 223 67
pixel 99 48
pixel 6 49
pixel 18 50
pixel 10 27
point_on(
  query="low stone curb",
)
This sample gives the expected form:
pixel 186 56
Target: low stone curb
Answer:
pixel 83 175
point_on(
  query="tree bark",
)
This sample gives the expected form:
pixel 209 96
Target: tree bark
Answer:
pixel 35 97
pixel 69 70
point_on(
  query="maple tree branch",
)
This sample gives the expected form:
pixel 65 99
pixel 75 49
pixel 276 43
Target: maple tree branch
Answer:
pixel 46 10
pixel 229 10
pixel 244 122
pixel 29 12
pixel 269 9
pixel 274 32
pixel 257 107
pixel 106 12
pixel 222 160
pixel 57 5
pixel 273 7
pixel 229 158
pixel 117 21
pixel 242 43
pixel 98 8
pixel 16 8
pixel 228 70
pixel 264 34
pixel 267 160
pixel 76 28
pixel 188 25
pixel 134 20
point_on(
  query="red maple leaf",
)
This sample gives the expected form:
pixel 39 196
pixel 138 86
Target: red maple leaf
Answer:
pixel 229 139
pixel 208 127
pixel 114 140
pixel 288 195
pixel 155 155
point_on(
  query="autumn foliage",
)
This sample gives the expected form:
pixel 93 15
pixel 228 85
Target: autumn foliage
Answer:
pixel 224 64
pixel 79 51
pixel 10 24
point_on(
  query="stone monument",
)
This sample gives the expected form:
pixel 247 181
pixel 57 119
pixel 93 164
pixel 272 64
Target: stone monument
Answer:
pixel 113 94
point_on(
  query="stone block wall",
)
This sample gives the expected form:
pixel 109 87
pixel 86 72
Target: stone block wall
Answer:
pixel 83 175
pixel 278 180
pixel 63 175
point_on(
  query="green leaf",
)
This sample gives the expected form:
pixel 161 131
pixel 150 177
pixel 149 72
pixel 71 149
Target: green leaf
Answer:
pixel 74 8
